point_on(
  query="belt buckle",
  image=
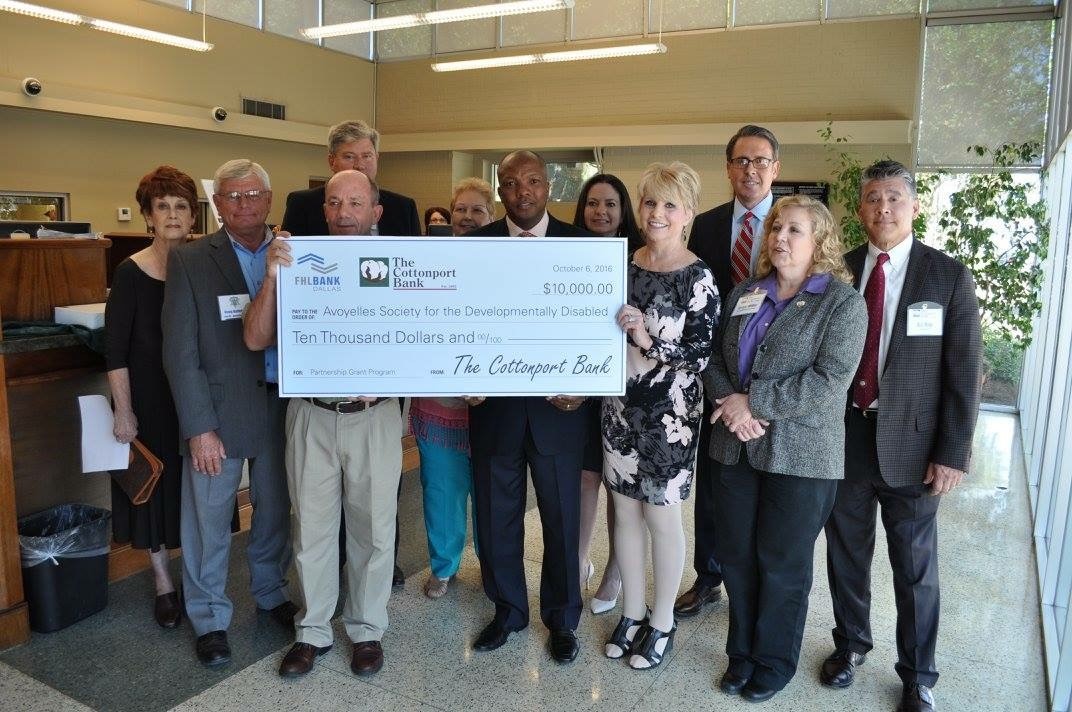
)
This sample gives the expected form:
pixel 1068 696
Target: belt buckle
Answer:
pixel 339 405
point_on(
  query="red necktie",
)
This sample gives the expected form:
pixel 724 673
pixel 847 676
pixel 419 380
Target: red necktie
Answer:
pixel 741 256
pixel 865 387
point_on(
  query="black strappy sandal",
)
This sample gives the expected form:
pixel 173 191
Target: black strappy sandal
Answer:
pixel 619 645
pixel 645 645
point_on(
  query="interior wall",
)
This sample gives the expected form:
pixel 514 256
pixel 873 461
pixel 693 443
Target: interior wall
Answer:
pixel 847 71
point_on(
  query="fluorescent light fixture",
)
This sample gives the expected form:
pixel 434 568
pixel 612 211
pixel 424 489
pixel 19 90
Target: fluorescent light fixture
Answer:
pixel 572 55
pixel 70 18
pixel 141 33
pixel 42 13
pixel 436 17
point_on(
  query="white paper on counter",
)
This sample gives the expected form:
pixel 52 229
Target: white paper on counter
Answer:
pixel 100 450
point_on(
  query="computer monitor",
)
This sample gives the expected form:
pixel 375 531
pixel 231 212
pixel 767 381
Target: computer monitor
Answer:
pixel 9 226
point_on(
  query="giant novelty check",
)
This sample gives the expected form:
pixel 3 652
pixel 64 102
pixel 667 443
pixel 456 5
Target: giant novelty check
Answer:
pixel 451 316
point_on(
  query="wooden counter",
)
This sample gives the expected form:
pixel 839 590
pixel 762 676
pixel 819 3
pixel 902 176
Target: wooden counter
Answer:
pixel 37 275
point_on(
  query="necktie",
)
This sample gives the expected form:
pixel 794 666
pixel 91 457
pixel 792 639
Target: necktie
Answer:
pixel 865 387
pixel 525 233
pixel 741 257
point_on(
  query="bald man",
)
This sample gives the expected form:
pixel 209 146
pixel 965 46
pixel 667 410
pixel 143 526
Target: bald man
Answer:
pixel 343 459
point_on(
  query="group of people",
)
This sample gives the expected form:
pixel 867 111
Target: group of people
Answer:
pixel 800 389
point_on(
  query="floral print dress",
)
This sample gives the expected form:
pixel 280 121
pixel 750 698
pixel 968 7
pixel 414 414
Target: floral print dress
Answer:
pixel 650 436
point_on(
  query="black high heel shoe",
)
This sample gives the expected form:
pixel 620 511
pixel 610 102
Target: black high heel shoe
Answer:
pixel 647 649
pixel 620 644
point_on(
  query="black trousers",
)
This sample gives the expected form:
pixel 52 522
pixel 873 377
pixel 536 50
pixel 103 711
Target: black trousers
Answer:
pixel 909 517
pixel 499 493
pixel 708 571
pixel 768 524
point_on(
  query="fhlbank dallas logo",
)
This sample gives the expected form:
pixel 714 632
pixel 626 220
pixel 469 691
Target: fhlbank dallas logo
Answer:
pixel 323 280
pixel 375 271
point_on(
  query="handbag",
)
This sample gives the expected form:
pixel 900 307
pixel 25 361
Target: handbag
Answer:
pixel 139 479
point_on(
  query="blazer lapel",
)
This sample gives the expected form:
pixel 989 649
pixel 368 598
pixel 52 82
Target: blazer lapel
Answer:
pixel 915 278
pixel 223 255
pixel 855 259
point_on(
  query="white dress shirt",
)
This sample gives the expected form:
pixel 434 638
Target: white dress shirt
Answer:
pixel 895 270
pixel 537 230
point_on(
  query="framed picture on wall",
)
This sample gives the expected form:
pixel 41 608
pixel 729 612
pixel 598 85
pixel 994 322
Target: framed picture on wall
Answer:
pixel 34 206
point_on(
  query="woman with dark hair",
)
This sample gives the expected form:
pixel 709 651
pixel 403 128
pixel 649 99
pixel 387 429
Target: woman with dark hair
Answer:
pixel 783 360
pixel 604 209
pixel 436 216
pixel 141 397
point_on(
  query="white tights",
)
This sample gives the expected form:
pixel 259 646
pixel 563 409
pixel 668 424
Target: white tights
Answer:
pixel 633 520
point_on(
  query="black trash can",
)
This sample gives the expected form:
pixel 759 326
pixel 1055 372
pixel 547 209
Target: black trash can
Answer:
pixel 64 554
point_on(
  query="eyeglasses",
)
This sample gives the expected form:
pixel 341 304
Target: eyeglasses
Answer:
pixel 252 196
pixel 743 162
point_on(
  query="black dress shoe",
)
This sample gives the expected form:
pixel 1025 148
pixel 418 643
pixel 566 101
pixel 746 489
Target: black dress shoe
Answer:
pixel 692 601
pixel 732 683
pixel 563 645
pixel 167 610
pixel 212 649
pixel 754 692
pixel 283 614
pixel 839 670
pixel 398 578
pixel 916 698
pixel 493 636
pixel 300 658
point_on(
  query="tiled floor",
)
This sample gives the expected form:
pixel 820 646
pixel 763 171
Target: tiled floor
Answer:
pixel 989 652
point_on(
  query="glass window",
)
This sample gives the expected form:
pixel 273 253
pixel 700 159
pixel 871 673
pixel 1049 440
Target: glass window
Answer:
pixel 566 179
pixel 609 18
pixel 408 42
pixel 246 12
pixel 336 11
pixel 535 28
pixel 983 84
pixel 686 15
pixel 468 35
pixel 940 5
pixel 288 17
pixel 843 9
pixel 764 12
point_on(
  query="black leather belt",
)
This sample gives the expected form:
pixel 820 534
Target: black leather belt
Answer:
pixel 344 407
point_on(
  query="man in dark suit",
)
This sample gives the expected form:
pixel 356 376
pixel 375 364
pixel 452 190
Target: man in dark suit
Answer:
pixel 908 432
pixel 545 434
pixel 729 239
pixel 229 411
pixel 351 145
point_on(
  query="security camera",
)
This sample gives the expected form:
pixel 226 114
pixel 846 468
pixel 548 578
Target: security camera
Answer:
pixel 219 114
pixel 32 87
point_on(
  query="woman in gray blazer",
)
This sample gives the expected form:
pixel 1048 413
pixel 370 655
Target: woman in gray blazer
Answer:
pixel 785 352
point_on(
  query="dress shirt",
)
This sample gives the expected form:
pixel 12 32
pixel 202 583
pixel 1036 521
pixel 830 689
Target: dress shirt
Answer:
pixel 895 271
pixel 537 230
pixel 760 212
pixel 771 308
pixel 253 264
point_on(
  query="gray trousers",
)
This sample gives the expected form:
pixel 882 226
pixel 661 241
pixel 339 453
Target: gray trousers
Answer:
pixel 207 506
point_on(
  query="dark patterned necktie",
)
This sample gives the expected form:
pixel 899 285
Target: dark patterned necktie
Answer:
pixel 741 257
pixel 865 387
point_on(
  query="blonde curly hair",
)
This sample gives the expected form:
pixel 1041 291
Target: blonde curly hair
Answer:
pixel 828 247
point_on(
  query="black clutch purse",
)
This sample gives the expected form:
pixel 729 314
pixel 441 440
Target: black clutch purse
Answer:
pixel 139 479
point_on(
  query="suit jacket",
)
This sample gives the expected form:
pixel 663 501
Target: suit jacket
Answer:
pixel 799 377
pixel 497 426
pixel 305 214
pixel 218 384
pixel 928 393
pixel 710 241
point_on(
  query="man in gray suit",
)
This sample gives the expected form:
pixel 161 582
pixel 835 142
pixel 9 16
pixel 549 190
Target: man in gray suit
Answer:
pixel 229 411
pixel 908 432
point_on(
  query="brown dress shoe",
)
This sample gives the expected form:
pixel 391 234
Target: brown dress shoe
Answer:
pixel 692 601
pixel 300 658
pixel 167 610
pixel 367 659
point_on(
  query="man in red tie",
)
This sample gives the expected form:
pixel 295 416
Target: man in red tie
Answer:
pixel 729 239
pixel 908 432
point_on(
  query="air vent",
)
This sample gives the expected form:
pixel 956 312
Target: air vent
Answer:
pixel 256 107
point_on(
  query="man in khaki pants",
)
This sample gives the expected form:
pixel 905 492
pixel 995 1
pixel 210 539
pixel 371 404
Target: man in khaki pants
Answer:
pixel 343 458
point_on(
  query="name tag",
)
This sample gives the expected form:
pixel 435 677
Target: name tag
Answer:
pixel 232 306
pixel 924 319
pixel 749 303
